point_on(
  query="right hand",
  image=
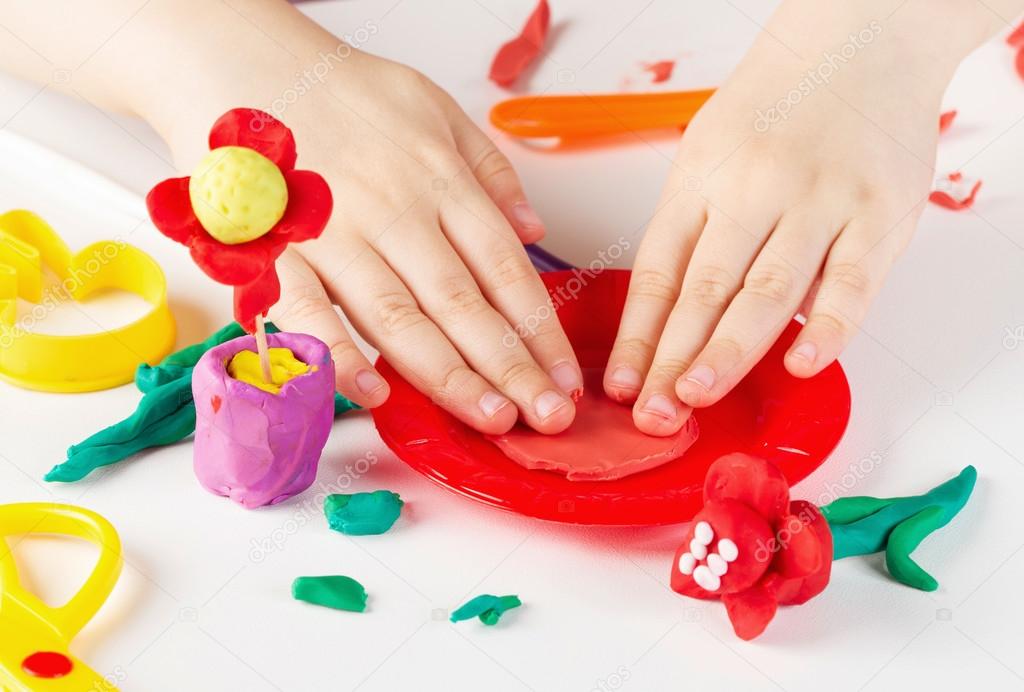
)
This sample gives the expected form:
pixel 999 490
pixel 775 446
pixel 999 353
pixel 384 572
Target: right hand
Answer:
pixel 424 254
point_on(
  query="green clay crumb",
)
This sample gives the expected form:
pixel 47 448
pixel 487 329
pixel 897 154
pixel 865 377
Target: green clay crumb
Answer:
pixel 363 514
pixel 331 591
pixel 487 607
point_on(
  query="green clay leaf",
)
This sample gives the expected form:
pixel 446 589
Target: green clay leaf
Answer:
pixel 331 591
pixel 165 414
pixel 363 514
pixel 903 540
pixel 487 607
pixel 341 404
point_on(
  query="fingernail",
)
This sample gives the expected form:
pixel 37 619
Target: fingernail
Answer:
pixel 548 403
pixel 492 402
pixel 525 216
pixel 368 381
pixel 661 406
pixel 625 377
pixel 807 350
pixel 567 377
pixel 702 375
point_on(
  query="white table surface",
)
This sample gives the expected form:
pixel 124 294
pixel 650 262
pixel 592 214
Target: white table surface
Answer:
pixel 204 602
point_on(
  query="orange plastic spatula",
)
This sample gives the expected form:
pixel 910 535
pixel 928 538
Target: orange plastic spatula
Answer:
pixel 595 115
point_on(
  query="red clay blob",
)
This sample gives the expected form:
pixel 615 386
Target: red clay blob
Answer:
pixel 516 55
pixel 602 444
pixel 661 71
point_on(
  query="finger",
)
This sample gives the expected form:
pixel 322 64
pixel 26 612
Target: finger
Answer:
pixel 448 294
pixel 496 176
pixel 852 277
pixel 653 290
pixel 304 307
pixel 502 269
pixel 805 305
pixel 386 314
pixel 772 291
pixel 720 260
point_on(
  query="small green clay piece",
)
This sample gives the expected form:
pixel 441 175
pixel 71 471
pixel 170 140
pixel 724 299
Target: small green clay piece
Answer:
pixel 486 607
pixel 331 591
pixel 363 514
pixel 165 415
pixel 865 525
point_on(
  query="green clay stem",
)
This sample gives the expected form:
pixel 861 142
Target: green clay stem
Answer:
pixel 846 510
pixel 165 414
pixel 332 591
pixel 865 525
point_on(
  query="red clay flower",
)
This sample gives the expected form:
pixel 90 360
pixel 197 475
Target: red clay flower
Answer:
pixel 247 263
pixel 751 547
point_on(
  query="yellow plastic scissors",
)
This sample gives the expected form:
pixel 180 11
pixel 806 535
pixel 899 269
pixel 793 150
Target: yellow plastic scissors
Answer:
pixel 34 638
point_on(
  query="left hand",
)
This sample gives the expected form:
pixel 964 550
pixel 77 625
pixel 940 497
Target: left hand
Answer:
pixel 776 201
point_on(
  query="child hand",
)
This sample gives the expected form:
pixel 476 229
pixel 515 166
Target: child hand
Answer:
pixel 424 255
pixel 799 182
pixel 424 251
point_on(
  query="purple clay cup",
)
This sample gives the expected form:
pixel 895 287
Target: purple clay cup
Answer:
pixel 256 447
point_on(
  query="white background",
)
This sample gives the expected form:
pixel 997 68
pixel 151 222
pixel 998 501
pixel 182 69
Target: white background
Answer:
pixel 935 381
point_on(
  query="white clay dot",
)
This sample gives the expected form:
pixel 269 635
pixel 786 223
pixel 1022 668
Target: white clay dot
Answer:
pixel 686 563
pixel 717 565
pixel 699 550
pixel 728 550
pixel 703 533
pixel 706 579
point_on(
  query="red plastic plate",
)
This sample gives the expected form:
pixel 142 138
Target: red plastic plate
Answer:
pixel 794 423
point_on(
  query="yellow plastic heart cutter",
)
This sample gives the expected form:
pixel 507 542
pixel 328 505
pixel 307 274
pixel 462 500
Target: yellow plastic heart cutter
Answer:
pixel 77 363
pixel 34 637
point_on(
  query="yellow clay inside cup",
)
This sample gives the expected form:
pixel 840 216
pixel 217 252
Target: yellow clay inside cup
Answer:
pixel 284 366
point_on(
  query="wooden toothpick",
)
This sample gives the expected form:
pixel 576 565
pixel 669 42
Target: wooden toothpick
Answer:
pixel 262 349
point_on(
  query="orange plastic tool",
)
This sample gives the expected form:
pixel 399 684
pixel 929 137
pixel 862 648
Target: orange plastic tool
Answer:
pixel 595 115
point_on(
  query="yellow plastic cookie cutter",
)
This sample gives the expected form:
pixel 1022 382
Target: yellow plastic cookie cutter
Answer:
pixel 34 637
pixel 79 363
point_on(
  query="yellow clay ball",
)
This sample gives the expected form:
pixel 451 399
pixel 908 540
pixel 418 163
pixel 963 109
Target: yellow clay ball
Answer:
pixel 238 194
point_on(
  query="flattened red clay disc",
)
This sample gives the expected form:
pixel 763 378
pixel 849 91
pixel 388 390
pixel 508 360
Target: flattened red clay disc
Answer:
pixel 602 444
